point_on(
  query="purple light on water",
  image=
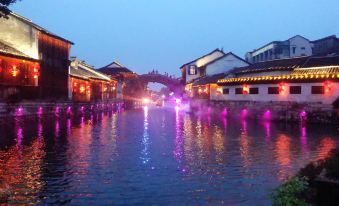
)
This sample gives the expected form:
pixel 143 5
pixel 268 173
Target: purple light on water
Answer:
pixel 224 112
pixel 303 115
pixel 57 110
pixel 267 115
pixel 244 113
pixel 19 111
pixel 40 111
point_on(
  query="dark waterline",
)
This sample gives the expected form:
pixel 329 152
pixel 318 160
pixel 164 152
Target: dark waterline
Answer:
pixel 153 157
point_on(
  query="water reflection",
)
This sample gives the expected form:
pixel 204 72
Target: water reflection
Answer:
pixel 204 160
pixel 145 139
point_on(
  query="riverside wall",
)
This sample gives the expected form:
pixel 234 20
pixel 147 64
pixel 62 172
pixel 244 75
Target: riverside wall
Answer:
pixel 276 111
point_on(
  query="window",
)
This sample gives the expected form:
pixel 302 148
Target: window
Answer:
pixel 226 91
pixel 303 48
pixel 293 49
pixel 273 90
pixel 295 89
pixel 192 70
pixel 238 90
pixel 254 90
pixel 318 90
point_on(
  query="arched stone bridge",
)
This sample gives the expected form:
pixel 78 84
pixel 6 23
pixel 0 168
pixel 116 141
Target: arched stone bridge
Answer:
pixel 173 84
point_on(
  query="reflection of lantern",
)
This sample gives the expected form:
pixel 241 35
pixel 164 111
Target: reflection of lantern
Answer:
pixel 14 71
pixel 282 88
pixel 245 89
pixel 327 87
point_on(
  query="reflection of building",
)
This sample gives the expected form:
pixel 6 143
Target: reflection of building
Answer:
pixel 36 43
pixel 294 47
pixel 19 74
pixel 119 72
pixel 87 84
pixel 326 46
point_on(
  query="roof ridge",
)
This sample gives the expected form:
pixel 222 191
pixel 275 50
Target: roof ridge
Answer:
pixel 215 50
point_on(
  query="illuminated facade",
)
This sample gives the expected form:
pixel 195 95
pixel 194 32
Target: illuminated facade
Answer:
pixel 39 45
pixel 19 74
pixel 301 80
pixel 88 85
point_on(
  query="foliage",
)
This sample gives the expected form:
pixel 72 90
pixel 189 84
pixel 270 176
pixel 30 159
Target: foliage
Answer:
pixel 4 11
pixel 291 193
pixel 332 165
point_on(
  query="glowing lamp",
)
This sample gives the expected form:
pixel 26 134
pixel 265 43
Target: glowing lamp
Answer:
pixel 327 87
pixel 245 89
pixel 14 71
pixel 200 90
pixel 282 88
pixel 219 90
pixel 105 89
pixel 178 101
pixel 146 101
pixel 82 89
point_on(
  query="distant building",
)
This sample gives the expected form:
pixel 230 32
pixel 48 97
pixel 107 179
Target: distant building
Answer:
pixel 37 43
pixel 212 63
pixel 326 46
pixel 86 84
pixel 119 72
pixel 296 46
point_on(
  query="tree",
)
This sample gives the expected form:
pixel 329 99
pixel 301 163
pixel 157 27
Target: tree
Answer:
pixel 4 10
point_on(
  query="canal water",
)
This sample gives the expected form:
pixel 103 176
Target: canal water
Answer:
pixel 153 156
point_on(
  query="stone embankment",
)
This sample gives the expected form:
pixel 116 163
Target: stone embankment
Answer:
pixel 276 111
pixel 56 108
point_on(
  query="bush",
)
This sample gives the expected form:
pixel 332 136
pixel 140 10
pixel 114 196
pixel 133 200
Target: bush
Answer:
pixel 312 170
pixel 291 193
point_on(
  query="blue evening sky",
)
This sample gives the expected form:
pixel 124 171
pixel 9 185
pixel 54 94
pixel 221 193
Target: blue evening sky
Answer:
pixel 164 34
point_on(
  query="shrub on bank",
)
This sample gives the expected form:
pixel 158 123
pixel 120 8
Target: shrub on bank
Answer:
pixel 291 193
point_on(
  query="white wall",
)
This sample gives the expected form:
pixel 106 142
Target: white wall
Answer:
pixel 201 62
pixel 224 64
pixel 300 42
pixel 263 96
pixel 19 35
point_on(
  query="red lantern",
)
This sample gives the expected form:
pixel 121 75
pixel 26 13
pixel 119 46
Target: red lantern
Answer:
pixel 327 87
pixel 282 88
pixel 14 71
pixel 245 89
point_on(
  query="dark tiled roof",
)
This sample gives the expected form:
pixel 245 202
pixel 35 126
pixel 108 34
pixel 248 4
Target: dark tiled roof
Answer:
pixel 114 68
pixel 86 73
pixel 208 79
pixel 322 61
pixel 275 65
pixel 216 50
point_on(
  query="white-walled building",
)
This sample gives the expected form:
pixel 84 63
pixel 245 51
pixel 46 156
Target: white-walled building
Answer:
pixel 213 63
pixel 296 46
pixel 301 80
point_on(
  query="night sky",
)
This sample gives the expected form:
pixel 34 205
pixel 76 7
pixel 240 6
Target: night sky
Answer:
pixel 164 34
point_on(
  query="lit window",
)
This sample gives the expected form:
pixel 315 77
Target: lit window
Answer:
pixel 192 70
